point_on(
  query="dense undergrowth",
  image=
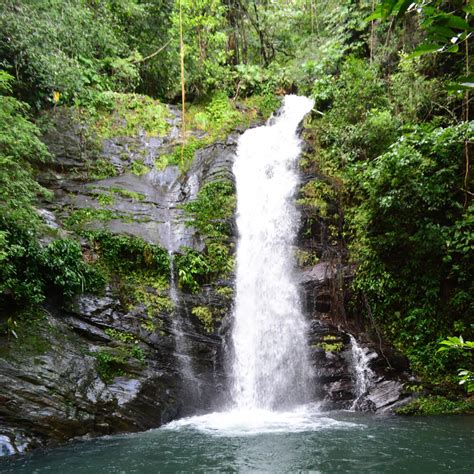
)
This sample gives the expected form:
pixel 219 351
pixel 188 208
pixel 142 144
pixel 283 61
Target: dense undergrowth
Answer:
pixel 390 137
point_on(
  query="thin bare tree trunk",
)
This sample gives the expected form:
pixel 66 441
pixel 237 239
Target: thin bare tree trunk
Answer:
pixel 183 92
pixel 467 162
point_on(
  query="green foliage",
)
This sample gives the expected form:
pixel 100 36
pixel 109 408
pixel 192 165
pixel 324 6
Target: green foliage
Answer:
pixel 220 114
pixel 66 270
pixel 445 30
pixel 127 194
pixel 204 314
pixel 306 258
pixel 251 77
pixel 454 342
pixel 109 365
pixel 393 185
pixel 414 97
pixel 210 214
pixel 193 269
pixel 138 168
pixel 264 104
pixel 121 336
pixel 403 227
pixel 183 160
pixel 79 217
pixel 330 344
pixel 113 114
pixel 65 46
pixel 29 272
pixel 225 291
pixel 465 376
pixel 20 150
pixel 212 209
pixel 436 405
pixel 216 117
pixel 205 42
pixel 105 199
pixel 101 169
pixel 116 361
pixel 124 253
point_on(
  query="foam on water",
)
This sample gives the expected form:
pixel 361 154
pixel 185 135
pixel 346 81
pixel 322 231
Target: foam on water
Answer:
pixel 250 422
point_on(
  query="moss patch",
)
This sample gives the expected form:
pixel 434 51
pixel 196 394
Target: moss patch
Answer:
pixel 100 169
pixel 330 343
pixel 127 194
pixel 26 334
pixel 138 168
pixel 437 405
pixel 225 291
pixel 205 316
pixel 215 118
pixel 114 114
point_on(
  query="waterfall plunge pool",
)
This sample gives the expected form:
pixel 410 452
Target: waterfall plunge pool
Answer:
pixel 301 440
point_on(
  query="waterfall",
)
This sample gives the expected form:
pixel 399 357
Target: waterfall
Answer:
pixel 182 352
pixel 363 374
pixel 271 366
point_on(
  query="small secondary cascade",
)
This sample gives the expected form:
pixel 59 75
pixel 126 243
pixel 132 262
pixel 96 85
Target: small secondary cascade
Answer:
pixel 182 348
pixel 271 368
pixel 362 372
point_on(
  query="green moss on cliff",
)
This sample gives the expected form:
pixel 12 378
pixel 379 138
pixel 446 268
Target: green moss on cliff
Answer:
pixel 205 316
pixel 113 114
pixel 210 213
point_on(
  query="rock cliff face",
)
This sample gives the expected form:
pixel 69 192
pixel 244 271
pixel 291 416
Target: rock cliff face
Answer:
pixel 97 366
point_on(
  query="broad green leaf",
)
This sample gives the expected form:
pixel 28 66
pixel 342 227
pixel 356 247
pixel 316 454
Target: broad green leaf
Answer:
pixel 457 22
pixel 387 8
pixel 442 31
pixel 469 8
pixel 452 49
pixel 401 7
pixel 425 49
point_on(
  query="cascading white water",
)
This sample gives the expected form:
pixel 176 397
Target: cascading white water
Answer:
pixel 271 370
pixel 363 374
pixel 271 367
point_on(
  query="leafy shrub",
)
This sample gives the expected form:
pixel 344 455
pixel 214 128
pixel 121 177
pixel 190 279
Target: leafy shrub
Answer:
pixel 436 405
pixel 210 212
pixel 125 253
pixel 21 276
pixel 67 46
pixel 20 150
pixel 193 269
pixel 66 270
pixel 404 227
pixel 204 314
pixel 465 376
pixel 29 272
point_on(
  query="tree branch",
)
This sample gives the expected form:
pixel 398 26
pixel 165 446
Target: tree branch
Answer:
pixel 152 55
